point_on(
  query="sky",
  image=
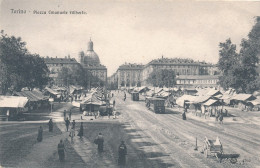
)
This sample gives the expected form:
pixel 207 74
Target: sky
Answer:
pixel 129 31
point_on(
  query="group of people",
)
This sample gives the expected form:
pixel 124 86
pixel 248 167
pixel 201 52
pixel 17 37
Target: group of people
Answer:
pixel 122 150
pixel 99 141
pixel 40 130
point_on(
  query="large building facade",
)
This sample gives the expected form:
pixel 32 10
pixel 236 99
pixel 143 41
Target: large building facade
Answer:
pixel 189 73
pixel 89 60
pixel 56 64
pixel 127 75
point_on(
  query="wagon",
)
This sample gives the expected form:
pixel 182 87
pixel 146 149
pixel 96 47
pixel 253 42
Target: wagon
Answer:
pixel 212 147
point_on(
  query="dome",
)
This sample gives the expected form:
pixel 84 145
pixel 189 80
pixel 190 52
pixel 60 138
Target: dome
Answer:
pixel 90 57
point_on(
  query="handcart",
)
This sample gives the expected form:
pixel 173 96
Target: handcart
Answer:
pixel 212 147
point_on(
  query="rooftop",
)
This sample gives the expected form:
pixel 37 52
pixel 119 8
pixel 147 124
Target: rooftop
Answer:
pixel 177 61
pixel 197 77
pixel 50 60
pixel 131 66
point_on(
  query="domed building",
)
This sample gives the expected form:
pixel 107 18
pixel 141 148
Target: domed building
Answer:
pixel 91 63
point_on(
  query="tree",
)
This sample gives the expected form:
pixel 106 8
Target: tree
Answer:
pixel 162 77
pixel 37 72
pixel 250 52
pixel 19 67
pixel 227 64
pixel 239 71
pixel 73 76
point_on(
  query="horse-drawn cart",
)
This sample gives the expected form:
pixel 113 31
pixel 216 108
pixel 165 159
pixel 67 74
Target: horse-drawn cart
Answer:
pixel 212 147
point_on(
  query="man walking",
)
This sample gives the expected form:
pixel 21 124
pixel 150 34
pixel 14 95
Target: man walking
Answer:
pixel 73 124
pixel 221 118
pixel 72 133
pixel 114 103
pixel 70 115
pixel 61 151
pixel 67 123
pixel 50 125
pixel 64 113
pixel 122 151
pixel 124 96
pixel 80 134
pixel 99 141
pixel 40 131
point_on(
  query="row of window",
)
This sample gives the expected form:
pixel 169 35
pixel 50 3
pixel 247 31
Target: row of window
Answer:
pixel 203 81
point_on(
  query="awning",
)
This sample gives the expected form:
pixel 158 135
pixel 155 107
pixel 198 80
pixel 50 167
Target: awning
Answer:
pixel 255 102
pixel 13 101
pixel 210 102
pixel 180 100
pixel 32 95
pixel 164 94
pixel 242 97
pixel 51 91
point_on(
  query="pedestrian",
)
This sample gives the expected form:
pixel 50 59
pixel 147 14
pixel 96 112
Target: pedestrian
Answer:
pixel 64 114
pixel 80 134
pixel 217 115
pixel 122 151
pixel 114 103
pixel 50 125
pixel 73 124
pixel 67 123
pixel 99 141
pixel 70 114
pixel 226 112
pixel 72 133
pixel 40 131
pixel 221 118
pixel 61 151
pixel 184 115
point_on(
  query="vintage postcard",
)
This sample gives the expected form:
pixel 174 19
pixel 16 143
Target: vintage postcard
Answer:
pixel 129 83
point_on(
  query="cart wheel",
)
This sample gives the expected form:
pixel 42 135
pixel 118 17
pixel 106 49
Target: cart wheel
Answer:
pixel 233 160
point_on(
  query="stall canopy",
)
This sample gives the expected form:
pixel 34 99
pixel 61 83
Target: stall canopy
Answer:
pixel 74 89
pixel 58 88
pixel 141 89
pixel 243 97
pixel 32 96
pixel 92 99
pixel 208 92
pixel 180 101
pixel 211 102
pixel 163 94
pixel 13 101
pixel 51 91
pixel 255 102
pixel 201 99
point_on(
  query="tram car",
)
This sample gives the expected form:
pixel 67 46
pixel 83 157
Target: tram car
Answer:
pixel 135 96
pixel 155 104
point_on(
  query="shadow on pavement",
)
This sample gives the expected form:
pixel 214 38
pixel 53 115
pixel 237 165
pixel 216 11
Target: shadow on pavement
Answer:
pixel 141 152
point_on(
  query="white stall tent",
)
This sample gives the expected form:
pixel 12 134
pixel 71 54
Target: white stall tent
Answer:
pixel 13 101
